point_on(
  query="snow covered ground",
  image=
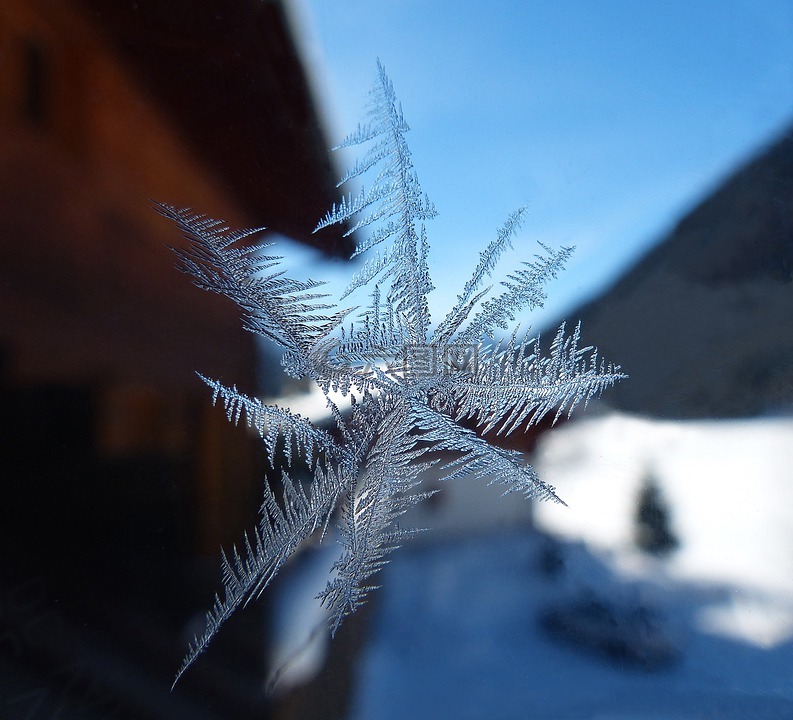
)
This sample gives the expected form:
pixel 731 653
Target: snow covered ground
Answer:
pixel 729 487
pixel 456 632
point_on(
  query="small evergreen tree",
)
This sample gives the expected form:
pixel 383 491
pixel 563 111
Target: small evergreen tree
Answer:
pixel 652 530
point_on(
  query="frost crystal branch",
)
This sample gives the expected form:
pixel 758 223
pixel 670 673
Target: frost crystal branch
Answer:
pixel 408 385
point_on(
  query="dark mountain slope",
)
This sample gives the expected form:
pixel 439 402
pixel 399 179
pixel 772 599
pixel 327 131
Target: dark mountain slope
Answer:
pixel 704 322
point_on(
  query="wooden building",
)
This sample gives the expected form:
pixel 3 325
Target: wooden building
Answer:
pixel 117 467
pixel 104 106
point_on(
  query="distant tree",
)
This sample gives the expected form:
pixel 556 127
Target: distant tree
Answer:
pixel 652 530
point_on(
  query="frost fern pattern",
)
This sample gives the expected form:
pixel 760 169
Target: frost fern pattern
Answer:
pixel 406 385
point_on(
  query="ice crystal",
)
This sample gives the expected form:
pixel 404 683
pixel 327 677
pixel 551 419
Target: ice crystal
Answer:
pixel 409 386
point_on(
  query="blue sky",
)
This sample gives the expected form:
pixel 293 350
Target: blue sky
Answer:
pixel 607 119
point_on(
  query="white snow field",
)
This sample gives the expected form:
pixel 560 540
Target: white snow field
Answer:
pixel 456 631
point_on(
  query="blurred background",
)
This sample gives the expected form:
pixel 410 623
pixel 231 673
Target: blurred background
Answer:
pixel 656 139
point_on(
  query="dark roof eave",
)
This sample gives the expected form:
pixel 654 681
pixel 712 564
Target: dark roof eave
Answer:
pixel 232 80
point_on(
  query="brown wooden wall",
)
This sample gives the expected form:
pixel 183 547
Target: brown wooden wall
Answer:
pixel 89 294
